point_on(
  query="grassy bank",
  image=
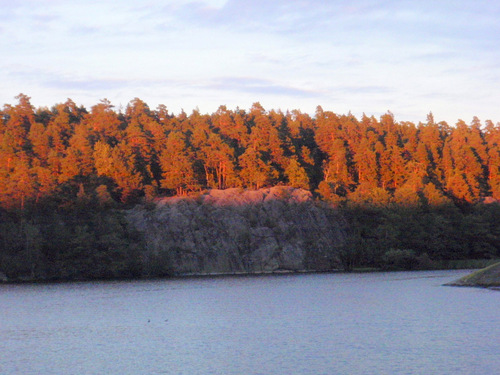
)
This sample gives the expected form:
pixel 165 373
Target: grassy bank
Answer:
pixel 486 277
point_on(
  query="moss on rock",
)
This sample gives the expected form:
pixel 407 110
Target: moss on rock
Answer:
pixel 486 277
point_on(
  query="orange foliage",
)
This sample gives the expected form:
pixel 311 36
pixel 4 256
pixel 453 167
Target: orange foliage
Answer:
pixel 66 150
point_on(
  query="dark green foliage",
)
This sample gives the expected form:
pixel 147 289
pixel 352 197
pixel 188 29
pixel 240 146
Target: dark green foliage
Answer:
pixel 68 245
pixel 408 238
pixel 397 259
pixel 96 242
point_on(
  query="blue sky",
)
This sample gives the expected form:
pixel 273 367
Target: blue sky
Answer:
pixel 409 57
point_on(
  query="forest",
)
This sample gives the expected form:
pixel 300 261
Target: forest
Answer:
pixel 407 190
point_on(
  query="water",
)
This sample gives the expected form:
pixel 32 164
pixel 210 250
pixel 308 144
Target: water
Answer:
pixel 381 323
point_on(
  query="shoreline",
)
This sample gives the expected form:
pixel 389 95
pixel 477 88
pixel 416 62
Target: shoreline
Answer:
pixel 488 277
pixel 210 275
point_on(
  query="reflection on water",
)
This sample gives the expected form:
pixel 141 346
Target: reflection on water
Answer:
pixel 381 323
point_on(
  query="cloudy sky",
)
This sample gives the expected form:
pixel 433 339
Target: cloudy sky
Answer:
pixel 409 57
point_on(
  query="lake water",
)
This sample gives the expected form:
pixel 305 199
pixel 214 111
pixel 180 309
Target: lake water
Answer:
pixel 378 323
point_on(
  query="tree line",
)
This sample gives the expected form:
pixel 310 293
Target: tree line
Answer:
pixel 67 151
pixel 411 194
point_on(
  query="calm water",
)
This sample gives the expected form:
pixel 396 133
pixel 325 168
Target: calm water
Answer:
pixel 383 323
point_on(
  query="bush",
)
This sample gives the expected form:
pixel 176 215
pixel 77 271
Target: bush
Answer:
pixel 397 259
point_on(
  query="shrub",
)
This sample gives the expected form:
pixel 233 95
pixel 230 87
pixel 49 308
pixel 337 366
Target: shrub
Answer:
pixel 397 259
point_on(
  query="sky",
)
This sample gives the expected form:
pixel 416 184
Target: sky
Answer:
pixel 407 57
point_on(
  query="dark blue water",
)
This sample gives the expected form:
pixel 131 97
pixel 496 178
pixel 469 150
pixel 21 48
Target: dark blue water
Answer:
pixel 381 323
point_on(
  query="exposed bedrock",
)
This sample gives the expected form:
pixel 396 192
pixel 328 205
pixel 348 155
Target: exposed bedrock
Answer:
pixel 235 230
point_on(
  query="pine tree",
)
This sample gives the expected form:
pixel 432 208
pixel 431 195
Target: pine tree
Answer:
pixel 176 163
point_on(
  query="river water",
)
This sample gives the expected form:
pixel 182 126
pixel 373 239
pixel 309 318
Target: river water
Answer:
pixel 377 323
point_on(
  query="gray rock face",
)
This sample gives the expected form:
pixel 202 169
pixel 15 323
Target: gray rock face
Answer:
pixel 235 230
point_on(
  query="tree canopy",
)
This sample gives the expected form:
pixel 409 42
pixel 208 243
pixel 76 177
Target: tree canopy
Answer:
pixel 47 154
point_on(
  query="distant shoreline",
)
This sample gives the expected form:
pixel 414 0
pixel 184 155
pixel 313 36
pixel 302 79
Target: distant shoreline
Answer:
pixel 214 275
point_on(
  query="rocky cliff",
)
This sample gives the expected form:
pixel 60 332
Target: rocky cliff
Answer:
pixel 235 230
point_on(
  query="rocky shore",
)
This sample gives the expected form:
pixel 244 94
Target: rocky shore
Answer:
pixel 488 277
